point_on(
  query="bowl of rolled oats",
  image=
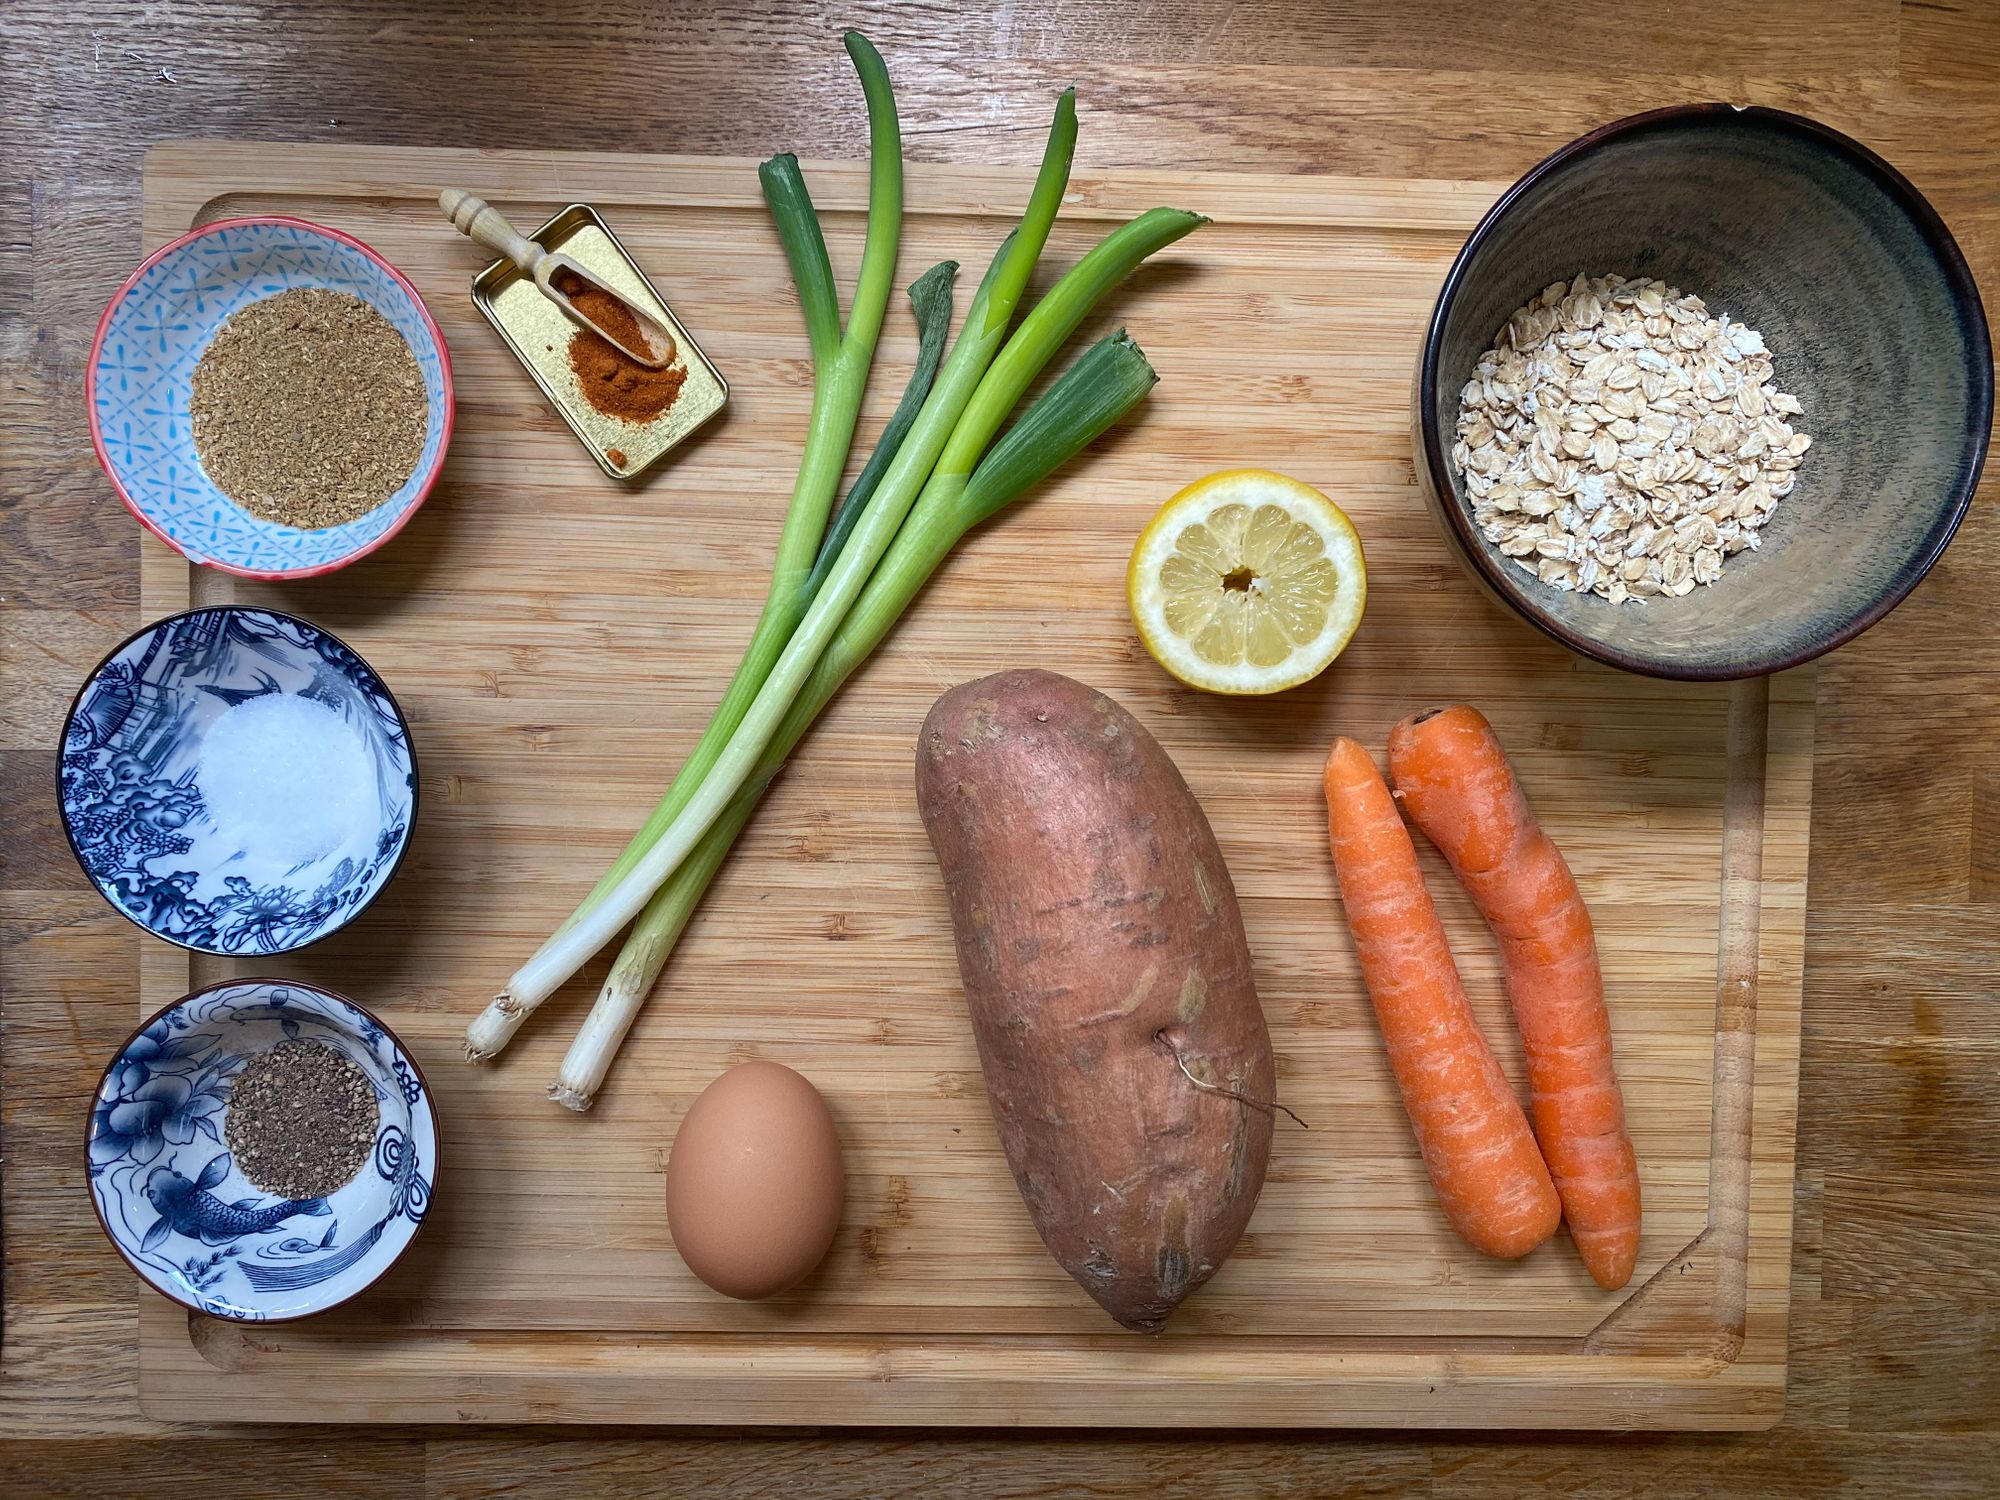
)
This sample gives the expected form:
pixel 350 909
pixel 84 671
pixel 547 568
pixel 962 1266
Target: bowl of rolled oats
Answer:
pixel 1706 393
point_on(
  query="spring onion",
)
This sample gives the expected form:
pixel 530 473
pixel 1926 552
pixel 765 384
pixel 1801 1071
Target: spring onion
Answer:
pixel 841 361
pixel 838 589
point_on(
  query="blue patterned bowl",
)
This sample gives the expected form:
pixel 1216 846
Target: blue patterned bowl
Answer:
pixel 142 370
pixel 156 811
pixel 174 1204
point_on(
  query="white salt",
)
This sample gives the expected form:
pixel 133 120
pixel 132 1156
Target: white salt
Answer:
pixel 288 780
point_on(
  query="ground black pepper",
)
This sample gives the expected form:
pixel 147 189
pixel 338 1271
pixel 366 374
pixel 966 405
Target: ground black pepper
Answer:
pixel 301 1120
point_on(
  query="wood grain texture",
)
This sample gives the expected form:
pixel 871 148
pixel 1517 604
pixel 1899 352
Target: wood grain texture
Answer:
pixel 514 630
pixel 1902 1017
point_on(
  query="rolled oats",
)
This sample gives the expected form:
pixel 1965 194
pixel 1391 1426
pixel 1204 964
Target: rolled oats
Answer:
pixel 1621 440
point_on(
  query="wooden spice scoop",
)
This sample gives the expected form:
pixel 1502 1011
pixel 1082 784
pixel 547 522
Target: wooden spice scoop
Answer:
pixel 485 225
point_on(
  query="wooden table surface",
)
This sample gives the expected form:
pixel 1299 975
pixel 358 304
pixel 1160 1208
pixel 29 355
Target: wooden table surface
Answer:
pixel 1896 1300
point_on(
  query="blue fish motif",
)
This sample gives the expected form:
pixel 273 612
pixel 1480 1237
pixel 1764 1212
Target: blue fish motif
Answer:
pixel 188 1208
pixel 311 1273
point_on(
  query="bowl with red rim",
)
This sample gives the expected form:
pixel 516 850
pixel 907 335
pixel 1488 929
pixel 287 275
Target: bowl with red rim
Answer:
pixel 141 374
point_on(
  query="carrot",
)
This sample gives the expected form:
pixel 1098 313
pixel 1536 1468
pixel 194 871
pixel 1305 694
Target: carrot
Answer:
pixel 1454 780
pixel 1475 1141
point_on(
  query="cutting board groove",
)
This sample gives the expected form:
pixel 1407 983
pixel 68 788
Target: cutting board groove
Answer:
pixel 557 639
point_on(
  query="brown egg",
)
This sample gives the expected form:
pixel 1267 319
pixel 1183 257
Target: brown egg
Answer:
pixel 754 1182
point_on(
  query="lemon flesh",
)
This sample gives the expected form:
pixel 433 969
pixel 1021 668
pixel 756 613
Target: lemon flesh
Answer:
pixel 1247 582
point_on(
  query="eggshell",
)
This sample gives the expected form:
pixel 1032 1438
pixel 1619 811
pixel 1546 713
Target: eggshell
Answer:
pixel 754 1181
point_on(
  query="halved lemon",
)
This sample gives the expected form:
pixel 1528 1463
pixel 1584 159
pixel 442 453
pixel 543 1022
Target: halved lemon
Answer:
pixel 1247 582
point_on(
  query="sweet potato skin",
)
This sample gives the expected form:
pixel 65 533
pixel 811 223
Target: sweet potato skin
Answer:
pixel 1101 949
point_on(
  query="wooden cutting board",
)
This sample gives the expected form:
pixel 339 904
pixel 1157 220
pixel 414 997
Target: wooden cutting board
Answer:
pixel 557 639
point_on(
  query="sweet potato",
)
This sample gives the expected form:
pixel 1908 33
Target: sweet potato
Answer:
pixel 1105 965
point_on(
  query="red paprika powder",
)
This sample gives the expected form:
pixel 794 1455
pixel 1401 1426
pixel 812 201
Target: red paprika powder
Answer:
pixel 611 382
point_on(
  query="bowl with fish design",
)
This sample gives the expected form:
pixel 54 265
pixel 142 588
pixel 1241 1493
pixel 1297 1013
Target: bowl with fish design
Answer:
pixel 172 1195
pixel 237 781
pixel 140 389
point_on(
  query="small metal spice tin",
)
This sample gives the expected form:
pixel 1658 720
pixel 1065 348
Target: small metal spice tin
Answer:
pixel 539 335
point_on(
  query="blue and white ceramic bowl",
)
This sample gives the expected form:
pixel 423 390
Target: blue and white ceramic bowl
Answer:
pixel 187 1221
pixel 141 375
pixel 176 823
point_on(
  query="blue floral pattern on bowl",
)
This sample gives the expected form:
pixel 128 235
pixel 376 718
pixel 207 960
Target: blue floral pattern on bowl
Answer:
pixel 169 1195
pixel 132 791
pixel 141 376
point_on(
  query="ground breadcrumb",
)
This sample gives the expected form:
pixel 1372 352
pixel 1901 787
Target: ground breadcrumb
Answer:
pixel 308 408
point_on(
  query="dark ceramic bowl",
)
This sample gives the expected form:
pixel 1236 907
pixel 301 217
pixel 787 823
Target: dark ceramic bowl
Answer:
pixel 1873 322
